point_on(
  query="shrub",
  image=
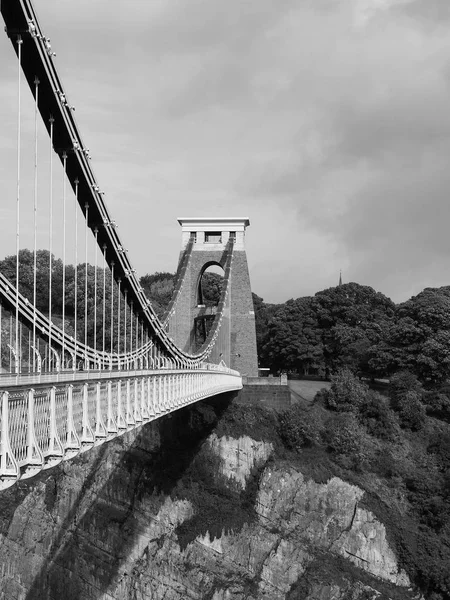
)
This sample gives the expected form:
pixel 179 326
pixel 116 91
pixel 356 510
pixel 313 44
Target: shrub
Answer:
pixel 440 446
pixel 435 512
pixel 379 420
pixel 346 392
pixel 321 396
pixel 300 428
pixel 438 405
pixel 401 383
pixel 411 411
pixel 346 438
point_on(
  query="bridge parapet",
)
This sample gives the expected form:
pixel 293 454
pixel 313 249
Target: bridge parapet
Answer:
pixel 42 425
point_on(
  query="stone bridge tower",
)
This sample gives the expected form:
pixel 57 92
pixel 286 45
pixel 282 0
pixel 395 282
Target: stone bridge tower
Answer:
pixel 211 237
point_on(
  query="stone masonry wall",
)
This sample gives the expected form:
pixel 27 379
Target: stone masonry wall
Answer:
pixel 243 333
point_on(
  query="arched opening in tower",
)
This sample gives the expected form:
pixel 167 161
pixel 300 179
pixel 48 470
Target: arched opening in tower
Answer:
pixel 209 291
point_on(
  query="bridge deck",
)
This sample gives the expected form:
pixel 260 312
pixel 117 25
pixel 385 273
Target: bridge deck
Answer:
pixel 43 423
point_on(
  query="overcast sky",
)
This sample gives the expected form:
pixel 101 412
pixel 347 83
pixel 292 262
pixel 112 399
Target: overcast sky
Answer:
pixel 326 122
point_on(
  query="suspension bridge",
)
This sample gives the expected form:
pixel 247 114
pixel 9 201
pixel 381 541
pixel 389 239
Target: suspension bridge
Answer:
pixel 84 365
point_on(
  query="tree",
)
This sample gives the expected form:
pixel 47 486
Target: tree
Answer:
pixel 353 318
pixel 211 285
pixel 418 339
pixel 405 392
pixel 293 339
pixel 346 393
pixel 26 268
pixel 263 315
pixel 375 414
pixel 159 289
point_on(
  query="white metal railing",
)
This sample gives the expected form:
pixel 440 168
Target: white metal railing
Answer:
pixel 41 426
pixel 25 379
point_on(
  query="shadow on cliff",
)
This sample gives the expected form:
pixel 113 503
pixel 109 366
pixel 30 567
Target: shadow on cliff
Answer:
pixel 86 555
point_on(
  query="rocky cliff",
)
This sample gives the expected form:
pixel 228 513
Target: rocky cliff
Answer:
pixel 197 505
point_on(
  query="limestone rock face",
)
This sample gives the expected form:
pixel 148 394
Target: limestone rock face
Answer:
pixel 239 456
pixel 327 515
pixel 105 526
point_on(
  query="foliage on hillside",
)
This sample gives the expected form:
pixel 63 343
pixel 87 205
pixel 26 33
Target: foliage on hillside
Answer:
pixel 359 435
pixel 337 327
pixel 356 327
pixel 349 326
pixel 390 446
pixel 87 281
pixel 158 288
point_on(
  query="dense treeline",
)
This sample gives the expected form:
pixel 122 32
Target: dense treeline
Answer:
pixel 354 326
pixel 157 287
pixel 345 326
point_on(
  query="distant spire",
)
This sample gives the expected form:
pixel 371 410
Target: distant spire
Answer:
pixel 340 277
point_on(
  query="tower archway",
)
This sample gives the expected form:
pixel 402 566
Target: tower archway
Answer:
pixel 210 288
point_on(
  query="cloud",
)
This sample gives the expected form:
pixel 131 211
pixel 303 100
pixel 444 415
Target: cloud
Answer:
pixel 428 12
pixel 325 122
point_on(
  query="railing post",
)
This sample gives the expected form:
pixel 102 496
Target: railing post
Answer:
pixel 176 394
pixel 158 389
pixel 137 405
pixel 169 391
pixel 100 430
pixel 121 421
pixel 55 451
pixel 73 444
pixel 30 427
pixel 9 467
pixel 87 437
pixel 165 394
pixel 111 425
pixel 156 386
pixel 150 399
pixel 129 416
pixel 144 402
